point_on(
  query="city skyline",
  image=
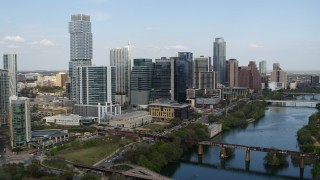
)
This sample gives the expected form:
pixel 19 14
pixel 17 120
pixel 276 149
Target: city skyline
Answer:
pixel 287 32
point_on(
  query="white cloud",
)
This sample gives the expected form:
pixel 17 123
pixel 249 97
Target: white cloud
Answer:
pixel 255 46
pixel 44 42
pixel 178 46
pixel 149 28
pixel 16 38
pixel 13 47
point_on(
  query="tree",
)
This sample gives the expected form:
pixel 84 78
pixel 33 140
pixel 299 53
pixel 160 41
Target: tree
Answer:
pixel 318 106
pixel 90 176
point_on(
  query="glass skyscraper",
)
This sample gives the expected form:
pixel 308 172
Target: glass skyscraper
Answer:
pixel 20 122
pixel 80 47
pixel 10 64
pixel 188 57
pixel 200 64
pixel 141 81
pixel 4 97
pixel 219 60
pixel 263 68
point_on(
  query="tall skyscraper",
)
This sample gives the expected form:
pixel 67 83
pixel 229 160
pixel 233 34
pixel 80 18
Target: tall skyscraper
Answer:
pixel 219 60
pixel 188 57
pixel 20 122
pixel 10 64
pixel 80 47
pixel 278 75
pixel 95 84
pixel 141 81
pixel 232 71
pixel 4 97
pixel 263 68
pixel 121 59
pixel 161 79
pixel 201 64
pixel 178 79
pixel 169 81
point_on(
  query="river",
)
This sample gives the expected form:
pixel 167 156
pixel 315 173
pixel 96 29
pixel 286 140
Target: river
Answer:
pixel 277 129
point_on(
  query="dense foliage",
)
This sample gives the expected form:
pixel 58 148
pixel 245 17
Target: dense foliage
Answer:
pixel 156 156
pixel 239 116
pixel 275 159
pixel 308 136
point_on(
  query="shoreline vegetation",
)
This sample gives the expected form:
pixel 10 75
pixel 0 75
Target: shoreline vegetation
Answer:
pixel 309 139
pixel 159 154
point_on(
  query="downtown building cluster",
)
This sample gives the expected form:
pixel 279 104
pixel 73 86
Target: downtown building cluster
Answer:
pixel 101 91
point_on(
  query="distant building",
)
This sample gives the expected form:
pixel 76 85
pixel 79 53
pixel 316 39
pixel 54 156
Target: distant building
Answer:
pixel 293 85
pixel 61 79
pixel 141 81
pixel 207 80
pixel 249 77
pixel 80 47
pixel 131 120
pixel 263 68
pixel 67 120
pixel 4 97
pixel 275 86
pixel 121 59
pixel 232 73
pixel 46 81
pixel 10 64
pixel 20 122
pixel 169 110
pixel 278 75
pixel 314 80
pixel 188 57
pixel 219 60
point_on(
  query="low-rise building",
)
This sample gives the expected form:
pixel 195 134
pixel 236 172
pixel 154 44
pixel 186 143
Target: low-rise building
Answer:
pixel 167 111
pixel 131 120
pixel 68 120
pixel 49 137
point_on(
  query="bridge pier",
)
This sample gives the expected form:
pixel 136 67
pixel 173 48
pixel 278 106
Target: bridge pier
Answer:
pixel 302 163
pixel 223 153
pixel 247 155
pixel 200 149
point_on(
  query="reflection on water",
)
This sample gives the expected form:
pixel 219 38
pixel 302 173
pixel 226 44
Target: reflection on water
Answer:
pixel 277 129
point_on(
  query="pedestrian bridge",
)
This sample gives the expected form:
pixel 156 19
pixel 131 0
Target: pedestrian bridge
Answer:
pixel 293 103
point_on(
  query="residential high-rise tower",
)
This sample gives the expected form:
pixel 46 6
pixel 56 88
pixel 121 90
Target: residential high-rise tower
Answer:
pixel 80 47
pixel 10 64
pixel 4 97
pixel 188 57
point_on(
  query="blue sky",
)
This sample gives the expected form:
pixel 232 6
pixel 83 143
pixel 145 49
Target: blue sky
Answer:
pixel 284 31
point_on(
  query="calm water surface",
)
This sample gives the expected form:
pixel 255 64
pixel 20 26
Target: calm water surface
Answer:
pixel 277 129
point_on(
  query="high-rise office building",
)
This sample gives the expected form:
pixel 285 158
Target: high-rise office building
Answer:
pixel 201 64
pixel 188 57
pixel 10 64
pixel 20 122
pixel 121 59
pixel 250 77
pixel 95 84
pixel 178 79
pixel 4 97
pixel 141 81
pixel 232 71
pixel 219 60
pixel 80 47
pixel 314 80
pixel 263 68
pixel 278 75
pixel 169 81
pixel 161 80
pixel 206 80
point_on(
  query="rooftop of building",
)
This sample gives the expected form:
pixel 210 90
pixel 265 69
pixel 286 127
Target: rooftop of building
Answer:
pixel 48 133
pixel 169 104
pixel 130 114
